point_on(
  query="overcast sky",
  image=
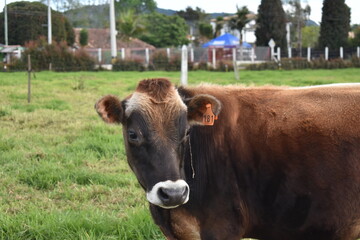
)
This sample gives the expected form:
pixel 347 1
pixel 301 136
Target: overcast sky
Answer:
pixel 229 6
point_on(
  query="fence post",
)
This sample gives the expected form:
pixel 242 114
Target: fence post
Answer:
pixel 191 54
pixel 214 58
pixel 29 78
pixel 99 56
pixel 289 52
pixel 147 57
pixel 326 53
pixel 236 72
pixel 123 53
pixel 309 54
pixel 252 54
pixel 19 52
pixel 168 53
pixel 358 52
pixel 341 52
pixel 184 65
pixel 279 54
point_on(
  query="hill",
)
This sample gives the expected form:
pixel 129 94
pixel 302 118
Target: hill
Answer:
pixel 99 16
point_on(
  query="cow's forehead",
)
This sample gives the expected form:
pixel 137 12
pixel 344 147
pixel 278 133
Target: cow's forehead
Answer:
pixel 168 106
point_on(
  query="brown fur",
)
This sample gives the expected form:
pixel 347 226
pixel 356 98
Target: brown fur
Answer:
pixel 279 163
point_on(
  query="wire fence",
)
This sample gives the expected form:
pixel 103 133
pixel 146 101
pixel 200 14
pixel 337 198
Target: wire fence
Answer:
pixel 170 58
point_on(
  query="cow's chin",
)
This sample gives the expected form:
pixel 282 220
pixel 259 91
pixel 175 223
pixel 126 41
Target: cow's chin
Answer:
pixel 169 194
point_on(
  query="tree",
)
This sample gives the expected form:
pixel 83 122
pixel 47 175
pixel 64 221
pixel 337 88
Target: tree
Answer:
pixel 129 25
pixel 310 36
pixel 271 23
pixel 240 21
pixel 195 19
pixel 206 30
pixel 355 42
pixel 165 31
pixel 138 6
pixel 219 25
pixel 84 36
pixel 28 21
pixel 335 24
pixel 297 16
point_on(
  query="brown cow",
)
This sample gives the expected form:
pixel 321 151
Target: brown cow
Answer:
pixel 279 163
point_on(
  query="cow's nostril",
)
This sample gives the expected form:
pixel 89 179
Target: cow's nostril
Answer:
pixel 164 196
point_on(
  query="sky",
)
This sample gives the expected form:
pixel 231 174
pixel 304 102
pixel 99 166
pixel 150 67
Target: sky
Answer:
pixel 229 6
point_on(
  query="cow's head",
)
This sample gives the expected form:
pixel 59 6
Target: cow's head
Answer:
pixel 156 121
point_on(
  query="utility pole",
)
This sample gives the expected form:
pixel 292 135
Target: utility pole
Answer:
pixel 49 24
pixel 6 26
pixel 112 30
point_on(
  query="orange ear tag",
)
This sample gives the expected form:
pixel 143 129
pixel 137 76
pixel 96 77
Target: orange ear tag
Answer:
pixel 209 117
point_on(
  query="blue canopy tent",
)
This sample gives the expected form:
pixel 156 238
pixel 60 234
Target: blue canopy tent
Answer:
pixel 226 40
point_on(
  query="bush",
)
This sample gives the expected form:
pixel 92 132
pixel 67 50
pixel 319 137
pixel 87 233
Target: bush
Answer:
pixel 128 65
pixel 224 66
pixel 159 60
pixel 57 54
pixel 174 64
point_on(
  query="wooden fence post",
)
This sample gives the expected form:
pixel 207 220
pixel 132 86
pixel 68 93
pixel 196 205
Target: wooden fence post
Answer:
pixel 341 52
pixel 29 79
pixel 236 70
pixel 168 53
pixel 289 52
pixel 309 54
pixel 214 58
pixel 184 65
pixel 326 53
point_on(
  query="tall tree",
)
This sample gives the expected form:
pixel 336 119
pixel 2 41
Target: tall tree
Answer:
pixel 310 36
pixel 139 6
pixel 298 16
pixel 165 31
pixel 240 21
pixel 219 25
pixel 28 21
pixel 84 37
pixel 335 24
pixel 271 23
pixel 194 19
pixel 129 25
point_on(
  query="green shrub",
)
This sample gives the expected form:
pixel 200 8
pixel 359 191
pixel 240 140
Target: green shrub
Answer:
pixel 128 65
pixel 159 60
pixel 58 55
pixel 224 66
pixel 174 64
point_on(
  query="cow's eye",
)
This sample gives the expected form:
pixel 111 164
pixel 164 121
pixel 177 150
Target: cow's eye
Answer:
pixel 132 135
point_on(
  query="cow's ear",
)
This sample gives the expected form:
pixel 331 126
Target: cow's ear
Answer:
pixel 110 109
pixel 199 108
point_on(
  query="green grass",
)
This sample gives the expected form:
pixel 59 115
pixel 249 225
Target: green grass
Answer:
pixel 63 171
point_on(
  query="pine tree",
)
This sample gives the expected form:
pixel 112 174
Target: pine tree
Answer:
pixel 335 24
pixel 271 23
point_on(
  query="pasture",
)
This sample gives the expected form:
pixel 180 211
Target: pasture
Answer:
pixel 63 172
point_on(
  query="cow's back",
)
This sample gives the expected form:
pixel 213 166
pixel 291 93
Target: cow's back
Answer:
pixel 295 154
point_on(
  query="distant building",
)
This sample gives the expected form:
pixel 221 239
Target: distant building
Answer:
pixel 100 38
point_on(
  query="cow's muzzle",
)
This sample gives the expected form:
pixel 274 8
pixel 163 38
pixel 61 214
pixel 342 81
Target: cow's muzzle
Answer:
pixel 169 194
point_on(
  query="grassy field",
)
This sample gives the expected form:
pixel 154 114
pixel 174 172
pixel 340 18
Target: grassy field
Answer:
pixel 63 171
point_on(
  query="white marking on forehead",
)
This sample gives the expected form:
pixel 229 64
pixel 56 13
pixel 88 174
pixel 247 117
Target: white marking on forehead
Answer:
pixel 329 86
pixel 141 100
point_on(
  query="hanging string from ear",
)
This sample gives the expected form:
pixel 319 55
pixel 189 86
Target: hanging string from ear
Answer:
pixel 191 159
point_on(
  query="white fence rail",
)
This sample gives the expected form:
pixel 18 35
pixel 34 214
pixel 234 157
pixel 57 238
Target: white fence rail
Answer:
pixel 215 55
